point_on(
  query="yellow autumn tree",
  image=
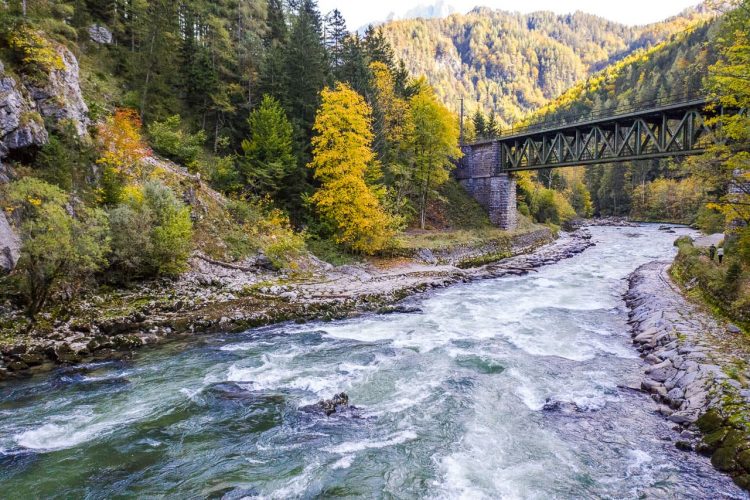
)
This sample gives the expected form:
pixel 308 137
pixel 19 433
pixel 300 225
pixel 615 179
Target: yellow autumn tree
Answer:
pixel 725 167
pixel 342 156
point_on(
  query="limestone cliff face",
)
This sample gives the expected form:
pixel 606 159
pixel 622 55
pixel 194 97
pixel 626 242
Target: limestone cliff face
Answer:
pixel 25 107
pixel 20 125
pixel 10 245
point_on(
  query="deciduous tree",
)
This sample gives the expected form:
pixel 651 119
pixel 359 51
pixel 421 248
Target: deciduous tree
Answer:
pixel 342 156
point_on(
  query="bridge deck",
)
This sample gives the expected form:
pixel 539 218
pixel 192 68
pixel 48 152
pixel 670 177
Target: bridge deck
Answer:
pixel 666 130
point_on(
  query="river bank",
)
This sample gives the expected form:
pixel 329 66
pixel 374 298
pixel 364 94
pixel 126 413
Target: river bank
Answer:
pixel 216 297
pixel 698 369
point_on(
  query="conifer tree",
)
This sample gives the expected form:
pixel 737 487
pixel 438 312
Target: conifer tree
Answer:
pixel 480 124
pixel 305 66
pixel 268 157
pixel 335 33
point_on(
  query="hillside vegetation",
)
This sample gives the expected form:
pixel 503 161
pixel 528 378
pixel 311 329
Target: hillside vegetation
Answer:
pixel 134 141
pixel 511 63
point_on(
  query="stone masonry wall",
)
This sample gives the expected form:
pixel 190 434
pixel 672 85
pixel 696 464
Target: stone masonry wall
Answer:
pixel 478 173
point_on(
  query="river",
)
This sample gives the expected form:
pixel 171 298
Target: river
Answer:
pixel 507 388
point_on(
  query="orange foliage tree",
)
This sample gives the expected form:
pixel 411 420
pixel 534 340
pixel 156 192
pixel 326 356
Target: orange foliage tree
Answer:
pixel 122 152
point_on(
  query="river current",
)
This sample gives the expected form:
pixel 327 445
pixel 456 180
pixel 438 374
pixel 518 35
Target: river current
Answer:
pixel 507 388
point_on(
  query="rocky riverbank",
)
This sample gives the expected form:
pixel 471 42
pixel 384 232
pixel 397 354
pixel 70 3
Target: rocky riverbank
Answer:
pixel 215 297
pixel 698 371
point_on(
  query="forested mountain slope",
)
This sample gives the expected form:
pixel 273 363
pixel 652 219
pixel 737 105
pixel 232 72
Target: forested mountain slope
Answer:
pixel 514 63
pixel 673 70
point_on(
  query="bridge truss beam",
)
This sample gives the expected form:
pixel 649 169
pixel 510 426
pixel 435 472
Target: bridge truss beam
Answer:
pixel 670 131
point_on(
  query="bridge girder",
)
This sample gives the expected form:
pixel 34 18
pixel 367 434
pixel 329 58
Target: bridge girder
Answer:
pixel 669 131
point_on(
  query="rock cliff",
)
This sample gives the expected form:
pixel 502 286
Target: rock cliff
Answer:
pixel 26 111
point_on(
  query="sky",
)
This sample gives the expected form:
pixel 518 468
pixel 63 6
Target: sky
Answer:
pixel 362 12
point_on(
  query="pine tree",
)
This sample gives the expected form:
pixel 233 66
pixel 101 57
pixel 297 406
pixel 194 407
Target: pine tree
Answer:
pixel 353 68
pixel 272 74
pixel 305 67
pixel 268 157
pixel 342 157
pixel 480 125
pixel 335 34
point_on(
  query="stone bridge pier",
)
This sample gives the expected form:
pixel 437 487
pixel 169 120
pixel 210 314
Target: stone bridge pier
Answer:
pixel 479 173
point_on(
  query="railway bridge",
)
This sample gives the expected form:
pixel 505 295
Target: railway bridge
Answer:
pixel 657 129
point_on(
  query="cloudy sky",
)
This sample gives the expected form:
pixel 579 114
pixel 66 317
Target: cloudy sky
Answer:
pixel 361 12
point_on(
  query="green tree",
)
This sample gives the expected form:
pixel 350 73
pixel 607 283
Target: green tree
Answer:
pixel 306 67
pixel 342 157
pixel 725 168
pixel 62 244
pixel 268 158
pixel 151 233
pixel 480 125
pixel 433 143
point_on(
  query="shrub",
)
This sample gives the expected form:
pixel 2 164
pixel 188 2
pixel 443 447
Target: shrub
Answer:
pixel 169 139
pixel 59 249
pixel 550 206
pixel 151 232
pixel 710 221
pixel 37 54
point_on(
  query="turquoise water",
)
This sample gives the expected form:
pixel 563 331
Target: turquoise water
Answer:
pixel 504 388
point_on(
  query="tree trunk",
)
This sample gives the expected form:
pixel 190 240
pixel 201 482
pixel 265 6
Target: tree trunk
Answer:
pixel 23 8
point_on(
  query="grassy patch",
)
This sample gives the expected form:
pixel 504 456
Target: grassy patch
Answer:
pixel 329 251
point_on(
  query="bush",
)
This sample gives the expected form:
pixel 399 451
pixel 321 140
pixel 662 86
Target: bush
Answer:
pixel 151 232
pixel 169 139
pixel 60 250
pixel 550 206
pixel 262 227
pixel 710 221
pixel 37 54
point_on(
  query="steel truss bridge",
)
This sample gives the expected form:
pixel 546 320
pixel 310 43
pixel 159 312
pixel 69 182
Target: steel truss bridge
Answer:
pixel 658 130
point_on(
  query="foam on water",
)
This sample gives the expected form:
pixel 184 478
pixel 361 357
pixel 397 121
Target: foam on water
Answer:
pixel 352 447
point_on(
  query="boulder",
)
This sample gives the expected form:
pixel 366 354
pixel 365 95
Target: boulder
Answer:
pixel 100 34
pixel 337 404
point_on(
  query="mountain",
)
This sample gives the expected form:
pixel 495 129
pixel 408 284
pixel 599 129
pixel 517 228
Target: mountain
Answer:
pixel 437 10
pixel 515 63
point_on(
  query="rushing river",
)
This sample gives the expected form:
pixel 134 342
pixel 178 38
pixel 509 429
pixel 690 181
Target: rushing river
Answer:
pixel 509 388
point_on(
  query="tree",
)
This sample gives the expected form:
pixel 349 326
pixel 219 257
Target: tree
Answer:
pixel 353 68
pixel 725 167
pixel 122 152
pixel 480 125
pixel 342 156
pixel 62 244
pixel 434 145
pixel 306 67
pixel 272 78
pixel 335 34
pixel 268 157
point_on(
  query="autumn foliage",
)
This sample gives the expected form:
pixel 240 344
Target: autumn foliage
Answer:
pixel 122 145
pixel 342 155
